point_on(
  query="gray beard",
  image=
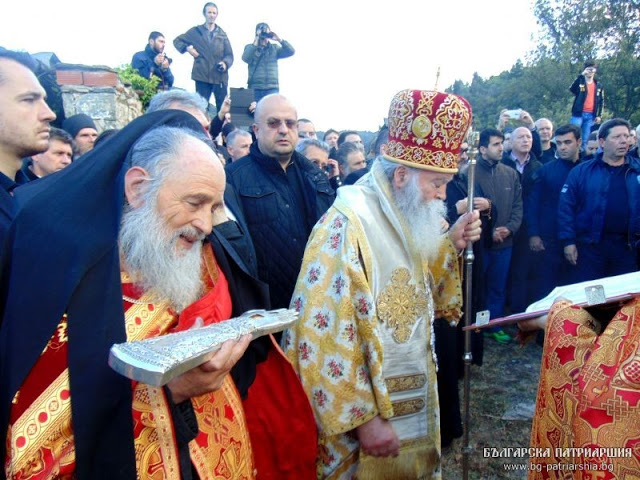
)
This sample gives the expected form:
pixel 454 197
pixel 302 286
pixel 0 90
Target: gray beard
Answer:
pixel 423 218
pixel 155 263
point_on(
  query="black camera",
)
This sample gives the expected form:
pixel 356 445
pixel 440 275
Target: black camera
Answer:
pixel 266 35
pixel 220 67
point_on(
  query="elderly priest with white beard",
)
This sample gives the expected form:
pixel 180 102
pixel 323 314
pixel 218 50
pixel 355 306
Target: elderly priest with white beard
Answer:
pixel 109 250
pixel 376 272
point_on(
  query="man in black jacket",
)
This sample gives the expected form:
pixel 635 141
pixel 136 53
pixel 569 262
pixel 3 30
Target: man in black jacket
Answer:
pixel 212 56
pixel 24 124
pixel 282 195
pixel 589 99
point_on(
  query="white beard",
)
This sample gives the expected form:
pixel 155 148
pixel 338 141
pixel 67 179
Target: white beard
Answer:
pixel 424 218
pixel 153 260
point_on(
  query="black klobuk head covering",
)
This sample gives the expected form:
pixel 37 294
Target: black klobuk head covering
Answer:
pixel 64 258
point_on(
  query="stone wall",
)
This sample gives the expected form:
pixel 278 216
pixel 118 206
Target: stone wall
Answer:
pixel 98 92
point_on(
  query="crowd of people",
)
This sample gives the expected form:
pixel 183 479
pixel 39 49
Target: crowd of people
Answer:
pixel 180 220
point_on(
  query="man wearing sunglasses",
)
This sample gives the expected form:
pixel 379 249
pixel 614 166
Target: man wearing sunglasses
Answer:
pixel 282 194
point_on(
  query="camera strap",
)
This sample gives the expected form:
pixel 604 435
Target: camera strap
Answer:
pixel 255 66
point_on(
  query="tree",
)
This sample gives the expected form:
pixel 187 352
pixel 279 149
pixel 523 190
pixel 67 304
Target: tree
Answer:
pixel 572 31
pixel 605 30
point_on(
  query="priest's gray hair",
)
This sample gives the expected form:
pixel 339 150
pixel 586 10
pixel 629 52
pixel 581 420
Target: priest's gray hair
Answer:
pixel 171 98
pixel 157 150
pixel 389 167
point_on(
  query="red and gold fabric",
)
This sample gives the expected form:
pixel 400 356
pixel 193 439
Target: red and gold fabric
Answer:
pixel 589 396
pixel 41 436
pixel 426 129
pixel 281 421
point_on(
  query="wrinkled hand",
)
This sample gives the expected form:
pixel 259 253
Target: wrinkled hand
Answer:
pixel 378 438
pixel 192 51
pixel 536 244
pixel 571 254
pixel 467 229
pixel 209 376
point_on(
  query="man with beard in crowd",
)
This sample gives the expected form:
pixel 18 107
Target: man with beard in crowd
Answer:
pixel 84 132
pixel 125 262
pixel 377 271
pixel 153 62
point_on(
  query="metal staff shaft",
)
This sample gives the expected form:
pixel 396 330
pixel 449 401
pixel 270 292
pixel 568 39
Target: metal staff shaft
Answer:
pixel 468 309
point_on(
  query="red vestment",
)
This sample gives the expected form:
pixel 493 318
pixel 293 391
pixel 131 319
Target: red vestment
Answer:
pixel 588 396
pixel 40 437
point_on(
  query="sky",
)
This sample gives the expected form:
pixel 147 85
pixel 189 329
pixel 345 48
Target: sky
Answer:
pixel 351 56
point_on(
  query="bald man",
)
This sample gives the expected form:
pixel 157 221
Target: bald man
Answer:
pixel 282 194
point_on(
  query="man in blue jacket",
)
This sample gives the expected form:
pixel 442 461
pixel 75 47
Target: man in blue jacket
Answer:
pixel 152 61
pixel 599 209
pixel 541 207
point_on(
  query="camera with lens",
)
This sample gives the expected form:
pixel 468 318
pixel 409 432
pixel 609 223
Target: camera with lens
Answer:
pixel 266 35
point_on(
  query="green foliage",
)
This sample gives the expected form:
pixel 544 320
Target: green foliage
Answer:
pixel 144 87
pixel 572 31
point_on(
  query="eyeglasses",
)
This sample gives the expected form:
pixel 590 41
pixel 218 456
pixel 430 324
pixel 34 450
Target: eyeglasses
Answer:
pixel 276 122
pixel 463 150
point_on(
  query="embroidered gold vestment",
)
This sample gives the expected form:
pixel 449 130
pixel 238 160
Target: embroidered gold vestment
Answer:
pixel 364 344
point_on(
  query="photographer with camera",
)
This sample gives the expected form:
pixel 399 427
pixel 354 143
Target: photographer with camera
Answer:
pixel 262 57
pixel 152 61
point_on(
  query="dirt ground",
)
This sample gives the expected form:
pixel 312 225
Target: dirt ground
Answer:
pixel 503 394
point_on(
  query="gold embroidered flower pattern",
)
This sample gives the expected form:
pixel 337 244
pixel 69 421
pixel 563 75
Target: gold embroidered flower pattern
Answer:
pixel 401 304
